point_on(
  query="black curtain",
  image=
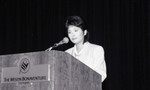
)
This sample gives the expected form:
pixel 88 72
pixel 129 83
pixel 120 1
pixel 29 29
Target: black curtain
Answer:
pixel 120 26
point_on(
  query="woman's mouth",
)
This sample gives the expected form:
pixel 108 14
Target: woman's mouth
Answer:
pixel 74 38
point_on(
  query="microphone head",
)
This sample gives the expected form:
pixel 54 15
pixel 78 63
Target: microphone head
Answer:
pixel 65 40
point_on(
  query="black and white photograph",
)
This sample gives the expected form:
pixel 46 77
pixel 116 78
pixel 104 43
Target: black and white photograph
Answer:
pixel 74 44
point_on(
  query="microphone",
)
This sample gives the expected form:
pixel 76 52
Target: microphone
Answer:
pixel 65 40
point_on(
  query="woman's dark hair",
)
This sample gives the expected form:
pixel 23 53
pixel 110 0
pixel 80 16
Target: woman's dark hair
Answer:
pixel 78 22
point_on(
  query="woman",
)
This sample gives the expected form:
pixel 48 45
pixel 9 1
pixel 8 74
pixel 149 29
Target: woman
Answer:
pixel 90 54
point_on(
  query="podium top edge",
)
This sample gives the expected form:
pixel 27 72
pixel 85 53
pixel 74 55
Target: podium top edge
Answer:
pixel 33 52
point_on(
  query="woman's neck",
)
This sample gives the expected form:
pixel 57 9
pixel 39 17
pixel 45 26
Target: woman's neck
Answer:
pixel 79 47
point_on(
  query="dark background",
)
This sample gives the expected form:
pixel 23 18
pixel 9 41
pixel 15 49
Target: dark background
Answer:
pixel 120 26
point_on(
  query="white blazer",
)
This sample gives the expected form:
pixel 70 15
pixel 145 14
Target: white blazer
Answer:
pixel 93 56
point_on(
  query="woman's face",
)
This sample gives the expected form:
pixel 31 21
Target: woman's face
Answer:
pixel 75 34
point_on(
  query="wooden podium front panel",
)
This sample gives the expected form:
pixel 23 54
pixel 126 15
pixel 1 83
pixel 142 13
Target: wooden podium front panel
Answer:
pixel 66 72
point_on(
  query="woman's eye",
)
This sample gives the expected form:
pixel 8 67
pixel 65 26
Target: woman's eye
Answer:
pixel 76 30
pixel 69 32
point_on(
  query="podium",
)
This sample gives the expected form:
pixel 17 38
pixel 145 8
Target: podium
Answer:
pixel 46 70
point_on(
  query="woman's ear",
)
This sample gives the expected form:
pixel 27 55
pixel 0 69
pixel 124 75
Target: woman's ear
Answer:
pixel 85 32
